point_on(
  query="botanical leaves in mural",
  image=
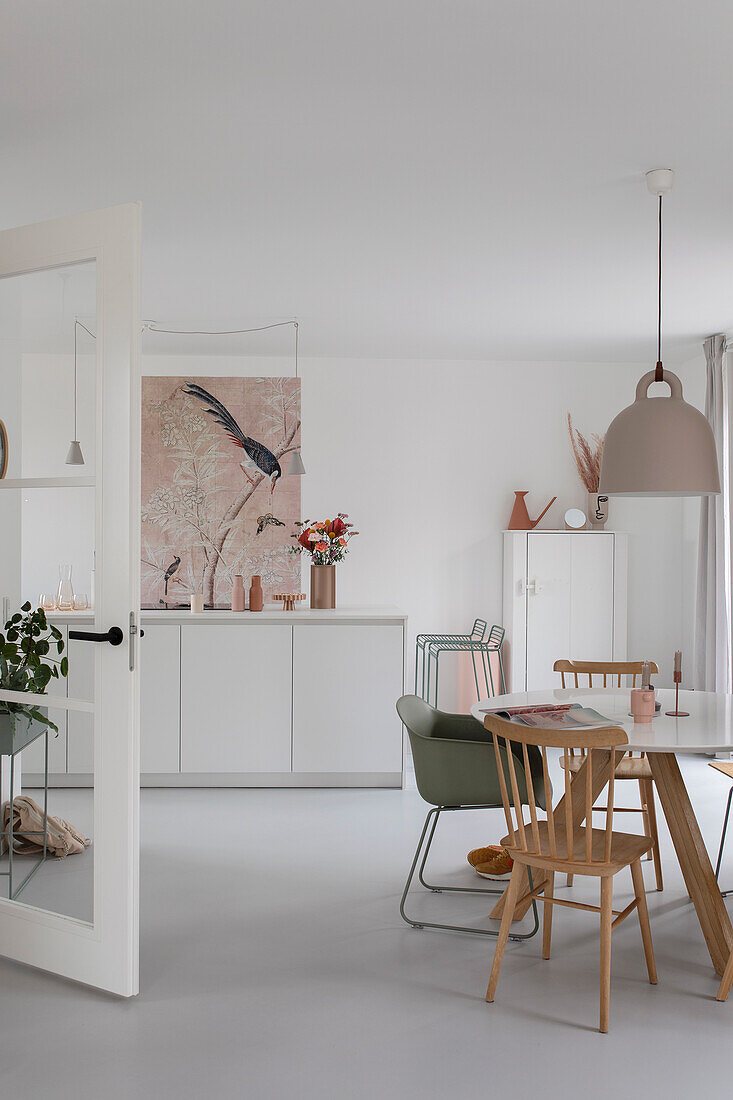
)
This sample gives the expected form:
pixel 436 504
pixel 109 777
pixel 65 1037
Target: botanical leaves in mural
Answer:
pixel 201 512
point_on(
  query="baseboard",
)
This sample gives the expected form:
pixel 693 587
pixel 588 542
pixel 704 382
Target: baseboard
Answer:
pixel 392 780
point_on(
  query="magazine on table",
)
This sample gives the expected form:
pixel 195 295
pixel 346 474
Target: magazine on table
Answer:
pixel 560 716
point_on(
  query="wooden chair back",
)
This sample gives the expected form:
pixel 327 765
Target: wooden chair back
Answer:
pixel 558 841
pixel 609 670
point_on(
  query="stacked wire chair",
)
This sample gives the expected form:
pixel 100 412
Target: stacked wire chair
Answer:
pixel 430 647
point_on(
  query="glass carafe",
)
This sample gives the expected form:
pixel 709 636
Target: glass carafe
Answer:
pixel 65 594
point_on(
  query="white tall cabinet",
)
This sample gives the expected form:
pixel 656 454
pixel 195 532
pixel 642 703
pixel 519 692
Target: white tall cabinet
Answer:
pixel 564 596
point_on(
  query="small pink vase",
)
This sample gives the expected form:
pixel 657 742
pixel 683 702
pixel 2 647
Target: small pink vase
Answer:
pixel 238 594
pixel 256 598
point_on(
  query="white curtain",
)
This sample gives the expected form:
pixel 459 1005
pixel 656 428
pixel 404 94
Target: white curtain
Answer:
pixel 712 621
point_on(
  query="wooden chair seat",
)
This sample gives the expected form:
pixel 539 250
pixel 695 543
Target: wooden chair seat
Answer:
pixel 631 767
pixel 561 842
pixel 626 848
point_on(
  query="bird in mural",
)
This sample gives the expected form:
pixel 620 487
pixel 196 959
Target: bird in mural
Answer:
pixel 172 568
pixel 259 459
pixel 267 521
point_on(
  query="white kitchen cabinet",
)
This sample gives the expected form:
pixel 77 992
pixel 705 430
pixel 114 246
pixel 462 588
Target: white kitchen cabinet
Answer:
pixel 80 727
pixel 564 596
pixel 31 759
pixel 160 699
pixel 296 699
pixel 235 698
pixel 346 681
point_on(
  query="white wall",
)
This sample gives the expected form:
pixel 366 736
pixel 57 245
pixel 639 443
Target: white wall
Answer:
pixel 10 414
pixel 57 524
pixel 425 456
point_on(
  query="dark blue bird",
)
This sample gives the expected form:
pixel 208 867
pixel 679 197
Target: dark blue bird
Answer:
pixel 259 459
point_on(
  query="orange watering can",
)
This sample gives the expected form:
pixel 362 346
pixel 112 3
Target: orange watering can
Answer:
pixel 519 519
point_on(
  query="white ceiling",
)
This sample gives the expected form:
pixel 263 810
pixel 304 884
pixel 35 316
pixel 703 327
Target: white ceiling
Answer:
pixel 443 178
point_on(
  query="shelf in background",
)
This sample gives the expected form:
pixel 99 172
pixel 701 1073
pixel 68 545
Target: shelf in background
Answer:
pixel 47 482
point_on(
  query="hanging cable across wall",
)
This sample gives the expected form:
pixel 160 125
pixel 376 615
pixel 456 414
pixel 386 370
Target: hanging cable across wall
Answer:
pixel 296 462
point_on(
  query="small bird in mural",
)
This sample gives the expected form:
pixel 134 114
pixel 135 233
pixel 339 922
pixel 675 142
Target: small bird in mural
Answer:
pixel 259 459
pixel 268 520
pixel 172 568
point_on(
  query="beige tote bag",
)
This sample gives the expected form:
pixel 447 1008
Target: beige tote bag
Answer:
pixel 62 839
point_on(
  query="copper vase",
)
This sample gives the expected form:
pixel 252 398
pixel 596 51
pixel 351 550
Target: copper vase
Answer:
pixel 323 587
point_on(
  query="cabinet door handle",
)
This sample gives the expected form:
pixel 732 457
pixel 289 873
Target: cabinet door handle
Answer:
pixel 114 636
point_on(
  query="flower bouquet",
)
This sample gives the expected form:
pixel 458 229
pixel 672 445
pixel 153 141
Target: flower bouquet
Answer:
pixel 327 542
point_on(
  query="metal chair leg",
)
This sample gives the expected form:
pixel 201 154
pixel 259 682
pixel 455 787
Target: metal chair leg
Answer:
pixel 434 813
pixel 501 670
pixel 722 841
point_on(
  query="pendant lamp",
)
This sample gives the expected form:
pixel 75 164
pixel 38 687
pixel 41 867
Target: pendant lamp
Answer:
pixel 659 446
pixel 74 456
pixel 296 462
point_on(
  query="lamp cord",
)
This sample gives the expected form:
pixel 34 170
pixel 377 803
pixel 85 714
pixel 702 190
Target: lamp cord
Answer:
pixel 151 327
pixel 77 325
pixel 659 372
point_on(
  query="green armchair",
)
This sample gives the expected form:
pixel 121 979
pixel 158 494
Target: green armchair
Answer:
pixel 455 769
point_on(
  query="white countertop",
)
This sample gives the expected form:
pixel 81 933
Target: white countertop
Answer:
pixel 709 728
pixel 343 616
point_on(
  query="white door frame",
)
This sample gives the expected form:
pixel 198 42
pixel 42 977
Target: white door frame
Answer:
pixel 104 954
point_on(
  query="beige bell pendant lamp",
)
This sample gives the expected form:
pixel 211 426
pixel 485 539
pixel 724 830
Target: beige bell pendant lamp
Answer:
pixel 659 446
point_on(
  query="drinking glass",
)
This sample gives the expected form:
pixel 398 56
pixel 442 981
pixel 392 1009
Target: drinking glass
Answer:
pixel 47 601
pixel 81 603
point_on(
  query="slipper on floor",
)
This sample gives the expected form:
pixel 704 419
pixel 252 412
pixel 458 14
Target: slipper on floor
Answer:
pixel 491 862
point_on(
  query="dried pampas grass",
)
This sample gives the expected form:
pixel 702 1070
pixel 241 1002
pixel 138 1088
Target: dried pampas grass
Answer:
pixel 587 456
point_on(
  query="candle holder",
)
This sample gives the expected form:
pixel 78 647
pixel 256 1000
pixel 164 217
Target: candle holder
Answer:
pixel 677 713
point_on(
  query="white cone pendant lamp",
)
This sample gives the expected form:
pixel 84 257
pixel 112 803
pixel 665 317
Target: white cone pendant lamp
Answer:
pixel 659 446
pixel 74 455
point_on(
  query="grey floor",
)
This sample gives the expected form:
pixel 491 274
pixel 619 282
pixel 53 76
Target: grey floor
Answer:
pixel 274 964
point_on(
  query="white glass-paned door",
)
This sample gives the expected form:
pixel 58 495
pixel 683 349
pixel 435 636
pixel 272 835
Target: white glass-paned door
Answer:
pixel 69 554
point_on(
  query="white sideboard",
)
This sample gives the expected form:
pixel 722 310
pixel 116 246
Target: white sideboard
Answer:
pixel 269 699
pixel 564 597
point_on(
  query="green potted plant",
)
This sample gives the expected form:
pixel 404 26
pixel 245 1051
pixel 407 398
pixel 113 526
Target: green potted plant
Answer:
pixel 26 665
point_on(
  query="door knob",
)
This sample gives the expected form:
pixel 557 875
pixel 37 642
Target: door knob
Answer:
pixel 114 636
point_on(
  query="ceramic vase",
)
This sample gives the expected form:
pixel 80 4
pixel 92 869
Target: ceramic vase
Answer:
pixel 256 599
pixel 238 594
pixel 323 587
pixel 597 510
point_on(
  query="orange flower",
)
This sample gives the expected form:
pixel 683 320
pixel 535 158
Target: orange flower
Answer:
pixel 321 546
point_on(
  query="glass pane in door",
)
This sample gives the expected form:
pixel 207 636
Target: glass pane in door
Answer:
pixel 48 402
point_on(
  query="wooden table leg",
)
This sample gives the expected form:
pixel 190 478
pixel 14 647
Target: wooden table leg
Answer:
pixel 601 772
pixel 693 858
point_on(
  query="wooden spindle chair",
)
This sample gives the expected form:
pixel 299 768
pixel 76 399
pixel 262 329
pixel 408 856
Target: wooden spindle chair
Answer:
pixel 631 767
pixel 561 844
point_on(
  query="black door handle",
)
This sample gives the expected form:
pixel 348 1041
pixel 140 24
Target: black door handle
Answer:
pixel 114 636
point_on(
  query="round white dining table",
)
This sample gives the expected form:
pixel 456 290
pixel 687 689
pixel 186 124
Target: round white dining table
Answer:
pixel 708 729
